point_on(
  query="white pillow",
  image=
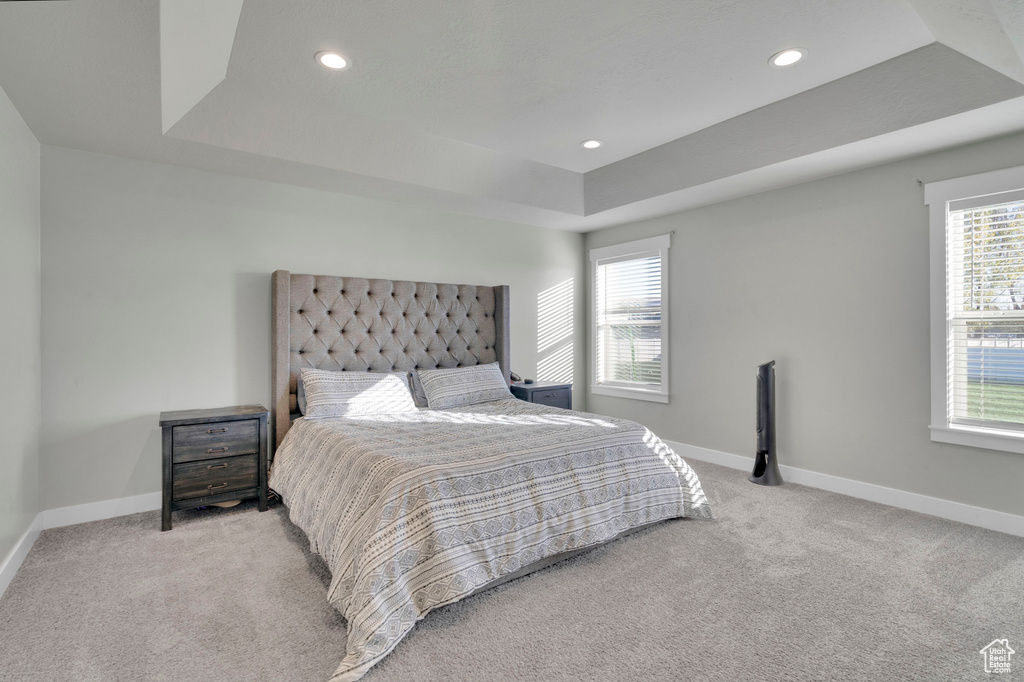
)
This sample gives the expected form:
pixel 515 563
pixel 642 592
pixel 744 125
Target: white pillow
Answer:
pixel 463 385
pixel 351 394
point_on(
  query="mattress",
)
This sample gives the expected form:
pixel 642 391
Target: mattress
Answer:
pixel 417 510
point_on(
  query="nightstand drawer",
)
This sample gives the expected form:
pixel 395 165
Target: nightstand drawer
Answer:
pixel 216 439
pixel 553 393
pixel 555 397
pixel 215 476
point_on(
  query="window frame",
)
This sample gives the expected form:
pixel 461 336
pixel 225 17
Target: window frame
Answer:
pixel 655 393
pixel 938 196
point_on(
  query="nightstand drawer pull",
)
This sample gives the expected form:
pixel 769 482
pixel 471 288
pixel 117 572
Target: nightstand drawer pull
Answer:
pixel 216 430
pixel 219 466
pixel 216 487
pixel 549 395
pixel 213 450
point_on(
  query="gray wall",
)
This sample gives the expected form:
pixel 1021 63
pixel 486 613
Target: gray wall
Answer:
pixel 156 296
pixel 830 279
pixel 19 329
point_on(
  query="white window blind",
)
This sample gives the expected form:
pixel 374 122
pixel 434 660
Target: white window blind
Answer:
pixel 985 311
pixel 630 332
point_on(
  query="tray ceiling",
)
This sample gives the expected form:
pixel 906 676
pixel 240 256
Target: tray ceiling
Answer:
pixel 481 107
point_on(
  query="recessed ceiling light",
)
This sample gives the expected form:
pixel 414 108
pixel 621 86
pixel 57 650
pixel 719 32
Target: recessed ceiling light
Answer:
pixel 591 144
pixel 787 57
pixel 333 60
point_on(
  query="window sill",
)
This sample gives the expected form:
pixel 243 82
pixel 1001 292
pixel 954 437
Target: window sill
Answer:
pixel 990 439
pixel 635 393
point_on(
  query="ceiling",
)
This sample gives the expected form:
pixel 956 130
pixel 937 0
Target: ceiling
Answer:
pixel 479 107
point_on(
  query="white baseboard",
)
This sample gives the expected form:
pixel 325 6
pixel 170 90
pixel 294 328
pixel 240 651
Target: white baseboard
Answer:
pixel 935 506
pixel 17 555
pixel 68 516
pixel 95 511
pixel 946 509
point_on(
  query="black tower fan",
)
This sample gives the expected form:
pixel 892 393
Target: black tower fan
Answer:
pixel 766 466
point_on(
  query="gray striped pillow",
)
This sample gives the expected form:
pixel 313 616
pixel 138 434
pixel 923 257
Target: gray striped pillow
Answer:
pixel 351 394
pixel 416 388
pixel 463 385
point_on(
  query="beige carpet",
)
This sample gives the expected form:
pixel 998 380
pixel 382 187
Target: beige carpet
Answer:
pixel 789 583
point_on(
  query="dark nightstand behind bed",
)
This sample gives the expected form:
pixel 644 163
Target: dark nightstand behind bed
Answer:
pixel 213 456
pixel 551 393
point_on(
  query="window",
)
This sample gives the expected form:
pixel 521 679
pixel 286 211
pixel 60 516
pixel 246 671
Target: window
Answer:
pixel 977 244
pixel 630 331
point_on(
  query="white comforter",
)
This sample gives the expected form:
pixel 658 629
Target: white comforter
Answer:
pixel 414 511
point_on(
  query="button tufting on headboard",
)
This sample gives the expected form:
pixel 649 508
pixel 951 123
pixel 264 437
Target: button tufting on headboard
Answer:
pixel 380 325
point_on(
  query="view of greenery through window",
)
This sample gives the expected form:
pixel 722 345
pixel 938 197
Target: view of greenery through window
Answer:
pixel 988 328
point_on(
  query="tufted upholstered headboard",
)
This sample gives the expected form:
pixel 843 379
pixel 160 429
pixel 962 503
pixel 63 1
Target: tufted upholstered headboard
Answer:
pixel 379 325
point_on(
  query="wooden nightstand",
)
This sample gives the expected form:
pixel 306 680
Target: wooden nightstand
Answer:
pixel 212 456
pixel 545 392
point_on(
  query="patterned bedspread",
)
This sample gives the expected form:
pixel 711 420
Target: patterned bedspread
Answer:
pixel 415 511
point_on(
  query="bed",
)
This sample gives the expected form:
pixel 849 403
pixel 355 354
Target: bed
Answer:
pixel 414 508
